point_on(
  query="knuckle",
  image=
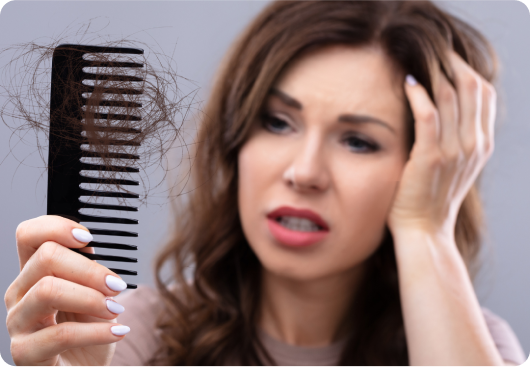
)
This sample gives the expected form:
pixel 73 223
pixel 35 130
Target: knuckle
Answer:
pixel 9 297
pixel 489 91
pixel 93 299
pixel 64 334
pixel 14 322
pixel 47 253
pixel 428 114
pixel 20 233
pixel 45 290
pixel 447 94
pixel 453 157
pixel 472 83
pixel 489 147
pixel 18 351
pixel 435 160
pixel 469 147
pixel 9 323
pixel 94 270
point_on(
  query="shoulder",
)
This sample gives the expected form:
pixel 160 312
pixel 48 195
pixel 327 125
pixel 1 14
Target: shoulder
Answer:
pixel 504 338
pixel 142 308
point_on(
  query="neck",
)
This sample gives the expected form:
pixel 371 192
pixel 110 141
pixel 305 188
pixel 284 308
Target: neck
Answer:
pixel 308 312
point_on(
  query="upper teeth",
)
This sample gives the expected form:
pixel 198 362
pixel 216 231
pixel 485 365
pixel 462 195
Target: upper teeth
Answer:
pixel 298 224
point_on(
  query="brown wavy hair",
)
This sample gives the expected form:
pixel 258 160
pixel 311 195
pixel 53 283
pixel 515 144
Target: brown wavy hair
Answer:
pixel 212 320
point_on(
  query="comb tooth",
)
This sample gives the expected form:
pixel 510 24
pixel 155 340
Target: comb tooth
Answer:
pixel 101 49
pixel 122 259
pixel 112 232
pixel 116 129
pixel 115 142
pixel 98 167
pixel 115 116
pixel 98 219
pixel 111 64
pixel 107 103
pixel 113 78
pixel 108 181
pixel 86 153
pixel 109 245
pixel 84 205
pixel 132 91
pixel 123 272
pixel 107 194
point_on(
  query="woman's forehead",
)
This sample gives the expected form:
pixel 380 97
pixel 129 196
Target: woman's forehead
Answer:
pixel 346 78
pixel 340 71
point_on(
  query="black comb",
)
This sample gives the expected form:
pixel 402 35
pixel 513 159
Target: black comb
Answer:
pixel 65 139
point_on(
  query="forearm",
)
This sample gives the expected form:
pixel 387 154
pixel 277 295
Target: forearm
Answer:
pixel 443 321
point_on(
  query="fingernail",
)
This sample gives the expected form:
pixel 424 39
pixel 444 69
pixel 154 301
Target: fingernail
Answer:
pixel 411 80
pixel 116 284
pixel 120 330
pixel 114 307
pixel 82 235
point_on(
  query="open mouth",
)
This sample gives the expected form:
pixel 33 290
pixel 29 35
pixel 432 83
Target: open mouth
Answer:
pixel 298 224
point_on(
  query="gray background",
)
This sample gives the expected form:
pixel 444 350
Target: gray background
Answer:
pixel 202 31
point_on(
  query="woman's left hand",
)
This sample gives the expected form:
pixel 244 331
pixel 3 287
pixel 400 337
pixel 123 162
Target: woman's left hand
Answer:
pixel 454 139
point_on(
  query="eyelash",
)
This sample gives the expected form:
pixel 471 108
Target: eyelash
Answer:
pixel 368 147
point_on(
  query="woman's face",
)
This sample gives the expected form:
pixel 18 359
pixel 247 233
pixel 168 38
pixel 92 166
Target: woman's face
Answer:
pixel 330 151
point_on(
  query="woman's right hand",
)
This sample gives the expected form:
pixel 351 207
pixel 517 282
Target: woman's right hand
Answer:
pixel 58 306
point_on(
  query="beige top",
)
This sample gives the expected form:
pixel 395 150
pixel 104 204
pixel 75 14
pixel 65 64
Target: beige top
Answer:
pixel 142 305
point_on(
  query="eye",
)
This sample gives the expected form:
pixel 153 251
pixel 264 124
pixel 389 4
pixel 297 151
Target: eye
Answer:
pixel 269 121
pixel 371 147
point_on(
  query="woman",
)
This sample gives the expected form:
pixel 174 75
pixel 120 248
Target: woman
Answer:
pixel 334 220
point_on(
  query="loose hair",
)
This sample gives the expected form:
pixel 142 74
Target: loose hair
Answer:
pixel 124 111
pixel 212 319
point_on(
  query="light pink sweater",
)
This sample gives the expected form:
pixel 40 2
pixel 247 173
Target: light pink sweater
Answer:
pixel 142 305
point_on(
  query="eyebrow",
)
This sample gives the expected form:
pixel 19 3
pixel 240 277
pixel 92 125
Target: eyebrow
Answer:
pixel 347 118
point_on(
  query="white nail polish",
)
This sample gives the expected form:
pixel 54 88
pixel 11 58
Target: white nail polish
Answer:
pixel 82 235
pixel 114 307
pixel 116 284
pixel 411 80
pixel 120 330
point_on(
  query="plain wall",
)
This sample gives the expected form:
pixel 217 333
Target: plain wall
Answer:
pixel 200 33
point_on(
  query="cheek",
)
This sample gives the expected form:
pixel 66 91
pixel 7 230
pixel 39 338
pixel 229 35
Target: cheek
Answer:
pixel 365 198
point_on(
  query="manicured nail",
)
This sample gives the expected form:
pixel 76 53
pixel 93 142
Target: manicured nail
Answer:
pixel 82 235
pixel 116 284
pixel 115 307
pixel 120 330
pixel 411 80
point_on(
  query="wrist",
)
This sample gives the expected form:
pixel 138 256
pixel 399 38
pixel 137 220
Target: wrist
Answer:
pixel 422 250
pixel 436 234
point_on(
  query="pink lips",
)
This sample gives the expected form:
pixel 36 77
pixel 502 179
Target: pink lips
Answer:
pixel 294 238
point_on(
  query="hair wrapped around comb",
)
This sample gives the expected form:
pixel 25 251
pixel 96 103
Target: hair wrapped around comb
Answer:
pixel 141 123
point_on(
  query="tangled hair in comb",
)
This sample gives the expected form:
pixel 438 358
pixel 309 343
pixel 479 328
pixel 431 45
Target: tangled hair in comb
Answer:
pixel 143 119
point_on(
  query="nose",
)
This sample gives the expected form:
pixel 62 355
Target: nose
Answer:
pixel 308 170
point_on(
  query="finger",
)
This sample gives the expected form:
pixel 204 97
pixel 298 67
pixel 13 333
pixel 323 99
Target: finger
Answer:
pixel 34 232
pixel 52 259
pixel 469 90
pixel 49 295
pixel 489 112
pixel 45 344
pixel 447 105
pixel 426 117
